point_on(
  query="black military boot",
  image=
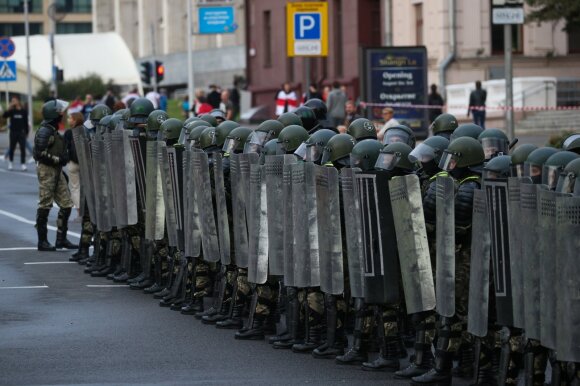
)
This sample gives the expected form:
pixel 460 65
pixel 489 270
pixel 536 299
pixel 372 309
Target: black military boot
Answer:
pixel 255 330
pixel 441 372
pixel 62 222
pixel 423 361
pixel 312 333
pixel 464 367
pixel 388 359
pixel 234 322
pixel 195 306
pixel 293 321
pixel 42 230
pixel 355 355
pixel 158 285
pixel 335 340
pixel 82 253
pixel 488 365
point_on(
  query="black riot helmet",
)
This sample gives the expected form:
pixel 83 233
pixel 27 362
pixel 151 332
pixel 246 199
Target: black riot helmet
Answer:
pixel 399 133
pixel 209 119
pixel 222 131
pixel 494 142
pixel 266 131
pixel 154 121
pixel 191 119
pixel 428 153
pixel 535 162
pixel 337 150
pixel 518 157
pixel 195 134
pixel 290 118
pixel 498 167
pixel 219 115
pixel 308 118
pixel 444 125
pixel 103 125
pixel 311 149
pixel 362 128
pixel 567 182
pixel 170 130
pixel 466 130
pixel 98 112
pixel 572 143
pixel 396 156
pixel 236 139
pixel 554 166
pixel 364 154
pixel 319 108
pixel 206 140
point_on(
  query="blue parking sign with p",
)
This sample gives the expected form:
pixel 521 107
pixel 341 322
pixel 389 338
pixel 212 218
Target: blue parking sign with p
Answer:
pixel 306 26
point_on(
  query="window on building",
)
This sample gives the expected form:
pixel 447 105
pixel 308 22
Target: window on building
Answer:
pixel 268 39
pixel 338 67
pixel 74 28
pixel 74 6
pixel 574 40
pixel 418 24
pixel 17 29
pixel 17 6
pixel 497 39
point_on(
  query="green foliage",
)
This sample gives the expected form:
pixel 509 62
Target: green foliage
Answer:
pixel 556 140
pixel 553 10
pixel 70 89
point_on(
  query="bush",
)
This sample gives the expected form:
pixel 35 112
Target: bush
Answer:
pixel 556 140
pixel 70 89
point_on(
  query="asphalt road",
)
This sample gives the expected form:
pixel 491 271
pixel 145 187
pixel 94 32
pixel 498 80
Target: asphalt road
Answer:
pixel 55 329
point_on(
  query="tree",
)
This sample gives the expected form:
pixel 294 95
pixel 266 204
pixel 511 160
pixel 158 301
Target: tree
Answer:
pixel 69 89
pixel 553 10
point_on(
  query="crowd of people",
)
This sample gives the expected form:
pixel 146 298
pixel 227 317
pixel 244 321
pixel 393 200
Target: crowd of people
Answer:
pixel 305 235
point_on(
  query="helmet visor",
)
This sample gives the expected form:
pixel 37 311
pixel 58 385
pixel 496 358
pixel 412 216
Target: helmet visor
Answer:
pixel 120 125
pixel 326 155
pixel 182 136
pixel 517 170
pixel 532 170
pixel 387 161
pixel 396 135
pixel 448 161
pixel 493 146
pixel 423 153
pixel 230 145
pixel 357 161
pixel 566 183
pixel 491 175
pixel 569 140
pixel 89 124
pixel 301 151
pixel 61 106
pixel 550 175
pixel 255 142
pixel 282 147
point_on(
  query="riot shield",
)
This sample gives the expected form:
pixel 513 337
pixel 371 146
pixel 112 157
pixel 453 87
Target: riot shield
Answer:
pixel 203 193
pixel 288 223
pixel 531 260
pixel 445 234
pixel 85 166
pixel 274 173
pixel 130 179
pixel 154 200
pixel 257 216
pixel 497 198
pixel 516 257
pixel 117 166
pixel 352 231
pixel 168 195
pixel 240 192
pixel 139 152
pixel 100 185
pixel 113 182
pixel 329 230
pixel 568 278
pixel 477 317
pixel 305 226
pixel 223 224
pixel 192 231
pixel 412 243
pixel 379 243
pixel 175 162
pixel 546 201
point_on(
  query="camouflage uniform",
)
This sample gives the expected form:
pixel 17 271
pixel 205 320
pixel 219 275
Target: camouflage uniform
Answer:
pixel 52 187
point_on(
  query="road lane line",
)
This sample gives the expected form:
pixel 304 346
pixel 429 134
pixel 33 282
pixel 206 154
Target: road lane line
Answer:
pixel 18 173
pixel 19 249
pixel 25 287
pixel 50 262
pixel 106 285
pixel 26 221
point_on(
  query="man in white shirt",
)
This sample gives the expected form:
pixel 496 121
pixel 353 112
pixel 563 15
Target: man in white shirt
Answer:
pixel 388 114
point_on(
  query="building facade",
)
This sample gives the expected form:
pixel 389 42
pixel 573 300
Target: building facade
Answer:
pixel 462 44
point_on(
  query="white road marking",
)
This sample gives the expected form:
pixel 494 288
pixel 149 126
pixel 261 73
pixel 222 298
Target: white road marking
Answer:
pixel 106 285
pixel 50 262
pixel 25 287
pixel 19 249
pixel 26 221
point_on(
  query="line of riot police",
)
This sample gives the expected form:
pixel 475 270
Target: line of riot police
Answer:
pixel 464 250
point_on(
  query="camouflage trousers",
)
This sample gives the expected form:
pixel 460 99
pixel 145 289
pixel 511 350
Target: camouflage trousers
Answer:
pixel 52 187
pixel 160 253
pixel 267 298
pixel 243 289
pixel 315 304
pixel 87 229
pixel 203 280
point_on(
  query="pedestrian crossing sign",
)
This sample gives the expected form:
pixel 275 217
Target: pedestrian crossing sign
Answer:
pixel 8 71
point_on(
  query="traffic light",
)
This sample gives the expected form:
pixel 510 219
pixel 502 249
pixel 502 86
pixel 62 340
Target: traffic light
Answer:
pixel 159 71
pixel 146 72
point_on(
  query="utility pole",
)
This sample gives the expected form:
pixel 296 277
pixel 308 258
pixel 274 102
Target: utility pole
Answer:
pixel 28 74
pixel 190 73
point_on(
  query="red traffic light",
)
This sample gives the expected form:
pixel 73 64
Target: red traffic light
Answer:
pixel 160 69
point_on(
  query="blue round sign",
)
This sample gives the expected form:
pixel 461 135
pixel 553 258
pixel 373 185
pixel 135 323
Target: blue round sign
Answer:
pixel 7 47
